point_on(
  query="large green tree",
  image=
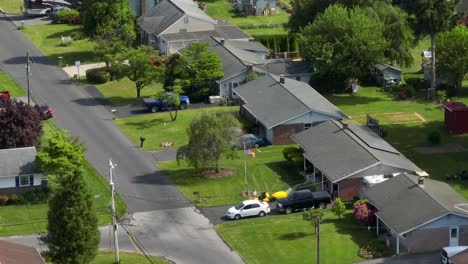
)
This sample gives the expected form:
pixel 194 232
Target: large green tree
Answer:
pixel 72 231
pixel 141 65
pixel 209 140
pixel 343 43
pixel 452 54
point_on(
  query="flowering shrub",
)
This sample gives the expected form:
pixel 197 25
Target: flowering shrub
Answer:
pixel 364 212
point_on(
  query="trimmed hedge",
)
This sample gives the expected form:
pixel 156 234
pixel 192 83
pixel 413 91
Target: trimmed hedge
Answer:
pixel 67 17
pixel 97 75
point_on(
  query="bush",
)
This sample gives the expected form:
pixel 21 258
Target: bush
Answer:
pixel 77 35
pixel 434 138
pixel 14 199
pixel 364 212
pixel 374 249
pixel 67 17
pixel 3 200
pixel 291 152
pixel 36 195
pixel 97 75
pixel 410 92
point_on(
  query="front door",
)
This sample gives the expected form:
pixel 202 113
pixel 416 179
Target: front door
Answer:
pixel 453 236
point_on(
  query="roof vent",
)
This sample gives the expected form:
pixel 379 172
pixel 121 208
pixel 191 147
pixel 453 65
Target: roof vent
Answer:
pixel 282 79
pixel 345 125
pixel 421 181
pixel 221 41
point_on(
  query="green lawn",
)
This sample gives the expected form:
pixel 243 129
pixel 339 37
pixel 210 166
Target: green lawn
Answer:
pixel 268 171
pixel 32 218
pixel 158 127
pixel 289 239
pixel 221 9
pixel 47 38
pixel 415 69
pixel 8 84
pixel 126 258
pixel 12 6
pixel 123 92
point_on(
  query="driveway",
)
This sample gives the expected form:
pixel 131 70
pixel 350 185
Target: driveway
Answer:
pixel 29 20
pixel 138 109
pixel 161 218
pixel 429 258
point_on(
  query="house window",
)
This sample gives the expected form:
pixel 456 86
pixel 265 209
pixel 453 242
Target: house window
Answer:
pixel 24 180
pixel 235 85
pixel 183 30
pixel 453 232
pixel 307 126
pixel 185 20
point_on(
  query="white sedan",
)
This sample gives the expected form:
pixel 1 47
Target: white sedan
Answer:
pixel 248 208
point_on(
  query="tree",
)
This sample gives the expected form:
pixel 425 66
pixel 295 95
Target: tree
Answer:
pixel 343 43
pixel 452 54
pixel 60 155
pixel 209 140
pixel 430 17
pixel 305 12
pixel 140 66
pixel 364 212
pixel 338 208
pixel 20 124
pixel 72 231
pixel 311 215
pixel 171 101
pixel 111 42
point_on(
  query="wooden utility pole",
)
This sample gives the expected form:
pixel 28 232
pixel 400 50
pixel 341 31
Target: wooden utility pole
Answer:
pixel 318 240
pixel 28 73
pixel 114 216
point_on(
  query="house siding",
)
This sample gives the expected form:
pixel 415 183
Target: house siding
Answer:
pixel 282 133
pixel 193 25
pixel 349 188
pixel 447 221
pixel 463 235
pixel 9 182
pixel 226 86
pixel 427 240
pixel 311 118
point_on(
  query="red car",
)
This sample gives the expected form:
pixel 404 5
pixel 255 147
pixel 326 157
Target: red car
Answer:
pixel 4 95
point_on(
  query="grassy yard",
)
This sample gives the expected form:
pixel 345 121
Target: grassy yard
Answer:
pixel 158 127
pixel 222 9
pixel 268 171
pixel 32 218
pixel 123 92
pixel 12 6
pixel 8 84
pixel 104 257
pixel 289 239
pixel 47 39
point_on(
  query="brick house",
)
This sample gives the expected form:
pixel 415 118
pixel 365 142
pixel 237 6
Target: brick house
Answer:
pixel 279 107
pixel 345 157
pixel 422 215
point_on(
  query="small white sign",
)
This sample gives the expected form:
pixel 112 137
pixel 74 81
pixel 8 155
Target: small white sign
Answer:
pixel 77 64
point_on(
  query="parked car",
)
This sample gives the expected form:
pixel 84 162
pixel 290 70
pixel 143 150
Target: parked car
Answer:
pixel 56 9
pixel 248 141
pixel 4 95
pixel 45 111
pixel 448 252
pixel 155 105
pixel 303 199
pixel 248 208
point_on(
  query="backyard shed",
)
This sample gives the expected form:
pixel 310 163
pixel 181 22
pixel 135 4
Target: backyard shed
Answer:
pixel 387 75
pixel 456 117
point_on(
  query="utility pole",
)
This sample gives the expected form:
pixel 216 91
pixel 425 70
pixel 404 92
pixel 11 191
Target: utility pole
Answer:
pixel 318 240
pixel 28 73
pixel 114 216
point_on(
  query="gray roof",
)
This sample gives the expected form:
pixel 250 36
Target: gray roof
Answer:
pixel 341 153
pixel 199 35
pixel 167 12
pixel 286 67
pixel 246 45
pixel 17 161
pixel 225 31
pixel 403 205
pixel 228 31
pixel 382 67
pixel 273 103
pixel 463 6
pixel 232 66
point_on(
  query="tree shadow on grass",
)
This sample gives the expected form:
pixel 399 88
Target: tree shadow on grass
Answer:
pixel 287 171
pixel 353 100
pixel 294 236
pixel 145 124
pixel 63 33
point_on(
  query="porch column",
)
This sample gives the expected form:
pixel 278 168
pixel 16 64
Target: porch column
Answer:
pixel 377 227
pixel 314 172
pixel 331 187
pixel 322 181
pixel 398 245
pixel 304 165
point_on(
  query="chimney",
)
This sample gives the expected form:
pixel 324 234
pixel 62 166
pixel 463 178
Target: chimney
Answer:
pixel 345 126
pixel 143 7
pixel 421 181
pixel 250 69
pixel 282 78
pixel 221 41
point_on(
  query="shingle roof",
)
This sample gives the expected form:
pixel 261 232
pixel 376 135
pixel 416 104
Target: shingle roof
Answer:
pixel 273 103
pixel 382 67
pixel 14 253
pixel 403 205
pixel 17 161
pixel 191 9
pixel 225 31
pixel 231 64
pixel 228 31
pixel 286 67
pixel 340 153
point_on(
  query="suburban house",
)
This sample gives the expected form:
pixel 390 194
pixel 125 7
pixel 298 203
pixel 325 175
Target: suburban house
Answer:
pixel 299 70
pixel 387 75
pixel 422 215
pixel 279 107
pixel 256 7
pixel 344 157
pixel 18 173
pixel 139 7
pixel 14 253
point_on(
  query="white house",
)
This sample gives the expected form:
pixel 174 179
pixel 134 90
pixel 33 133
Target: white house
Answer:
pixel 18 172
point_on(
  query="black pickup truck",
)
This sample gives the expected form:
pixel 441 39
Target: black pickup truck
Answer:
pixel 302 199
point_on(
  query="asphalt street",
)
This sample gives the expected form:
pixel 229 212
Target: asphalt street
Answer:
pixel 163 220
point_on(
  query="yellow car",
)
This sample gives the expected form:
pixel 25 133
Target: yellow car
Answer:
pixel 281 194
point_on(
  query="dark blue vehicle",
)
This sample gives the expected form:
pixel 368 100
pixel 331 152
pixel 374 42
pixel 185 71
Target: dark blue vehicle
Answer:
pixel 248 141
pixel 155 105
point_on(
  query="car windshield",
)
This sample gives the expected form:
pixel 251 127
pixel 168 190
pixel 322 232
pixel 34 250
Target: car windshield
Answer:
pixel 239 206
pixel 291 195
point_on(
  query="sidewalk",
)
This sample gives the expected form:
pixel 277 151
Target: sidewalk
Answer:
pixel 73 70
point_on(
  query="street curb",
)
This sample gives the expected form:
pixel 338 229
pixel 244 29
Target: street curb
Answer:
pixel 8 13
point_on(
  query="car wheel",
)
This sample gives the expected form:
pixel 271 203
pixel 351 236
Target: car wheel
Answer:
pixel 262 214
pixel 154 109
pixel 288 210
pixel 183 106
pixel 237 217
pixel 256 145
pixel 322 205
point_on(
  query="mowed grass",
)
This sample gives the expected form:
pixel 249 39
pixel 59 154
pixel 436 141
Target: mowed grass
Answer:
pixel 123 92
pixel 32 218
pixel 48 39
pixel 158 127
pixel 289 239
pixel 12 6
pixel 104 257
pixel 8 84
pixel 268 171
pixel 222 9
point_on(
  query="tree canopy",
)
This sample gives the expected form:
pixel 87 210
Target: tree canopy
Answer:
pixel 209 140
pixel 452 54
pixel 343 43
pixel 20 124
